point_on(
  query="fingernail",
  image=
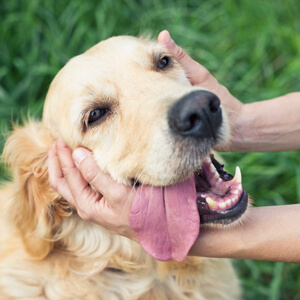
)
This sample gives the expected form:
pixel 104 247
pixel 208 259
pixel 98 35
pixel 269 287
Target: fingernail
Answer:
pixel 79 155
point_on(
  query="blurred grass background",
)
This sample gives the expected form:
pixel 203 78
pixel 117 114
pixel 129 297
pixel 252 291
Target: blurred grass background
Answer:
pixel 251 46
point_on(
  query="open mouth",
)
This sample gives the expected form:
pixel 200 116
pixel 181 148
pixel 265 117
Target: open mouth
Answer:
pixel 221 198
pixel 166 219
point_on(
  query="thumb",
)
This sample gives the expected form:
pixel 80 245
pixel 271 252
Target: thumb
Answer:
pixel 195 72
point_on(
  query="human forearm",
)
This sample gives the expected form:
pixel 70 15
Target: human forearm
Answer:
pixel 267 233
pixel 270 125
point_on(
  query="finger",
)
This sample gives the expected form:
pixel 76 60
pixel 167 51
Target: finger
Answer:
pixel 56 177
pixel 82 193
pixel 101 182
pixel 195 72
pixel 54 165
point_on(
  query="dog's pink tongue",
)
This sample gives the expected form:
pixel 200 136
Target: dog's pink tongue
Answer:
pixel 166 219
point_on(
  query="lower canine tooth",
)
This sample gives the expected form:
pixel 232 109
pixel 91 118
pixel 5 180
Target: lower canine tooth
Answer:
pixel 211 202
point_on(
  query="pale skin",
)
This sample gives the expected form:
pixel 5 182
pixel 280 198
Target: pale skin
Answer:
pixel 266 233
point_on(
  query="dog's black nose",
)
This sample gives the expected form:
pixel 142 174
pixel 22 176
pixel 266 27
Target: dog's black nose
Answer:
pixel 197 114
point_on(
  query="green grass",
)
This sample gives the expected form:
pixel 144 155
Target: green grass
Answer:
pixel 251 46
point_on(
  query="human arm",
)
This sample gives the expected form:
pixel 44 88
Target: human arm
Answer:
pixel 270 125
pixel 265 233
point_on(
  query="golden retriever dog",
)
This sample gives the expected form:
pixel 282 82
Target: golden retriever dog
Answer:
pixel 129 101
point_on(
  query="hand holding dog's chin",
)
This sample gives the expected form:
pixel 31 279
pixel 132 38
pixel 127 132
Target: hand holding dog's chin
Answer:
pixel 107 203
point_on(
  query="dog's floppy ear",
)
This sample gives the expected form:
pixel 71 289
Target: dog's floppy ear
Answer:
pixel 36 207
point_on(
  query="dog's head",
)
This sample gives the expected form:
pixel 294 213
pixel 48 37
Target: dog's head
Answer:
pixel 130 102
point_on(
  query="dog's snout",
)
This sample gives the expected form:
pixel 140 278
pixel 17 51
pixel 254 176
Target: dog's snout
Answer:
pixel 197 114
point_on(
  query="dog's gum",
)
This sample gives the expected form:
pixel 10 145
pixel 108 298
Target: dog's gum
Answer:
pixel 223 202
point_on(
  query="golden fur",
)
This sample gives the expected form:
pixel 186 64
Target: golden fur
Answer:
pixel 46 250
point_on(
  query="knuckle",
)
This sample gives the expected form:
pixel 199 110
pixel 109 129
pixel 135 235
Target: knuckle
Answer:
pixel 205 74
pixel 201 77
pixel 180 54
pixel 90 176
pixel 53 183
pixel 117 194
pixel 88 171
pixel 67 171
pixel 82 214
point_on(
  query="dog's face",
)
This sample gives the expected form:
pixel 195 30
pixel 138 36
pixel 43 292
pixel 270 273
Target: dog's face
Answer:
pixel 118 100
pixel 131 104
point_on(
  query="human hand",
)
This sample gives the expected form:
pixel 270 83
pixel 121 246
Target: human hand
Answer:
pixel 95 195
pixel 199 75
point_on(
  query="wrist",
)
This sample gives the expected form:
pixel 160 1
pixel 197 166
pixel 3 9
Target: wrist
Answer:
pixel 252 131
pixel 220 242
pixel 269 125
pixel 241 135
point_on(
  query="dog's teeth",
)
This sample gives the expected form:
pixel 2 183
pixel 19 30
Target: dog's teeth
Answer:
pixel 222 205
pixel 211 202
pixel 212 168
pixel 238 176
pixel 234 198
pixel 236 191
pixel 216 174
pixel 228 202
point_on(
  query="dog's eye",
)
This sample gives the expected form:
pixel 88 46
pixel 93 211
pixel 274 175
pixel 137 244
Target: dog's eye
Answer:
pixel 97 114
pixel 163 62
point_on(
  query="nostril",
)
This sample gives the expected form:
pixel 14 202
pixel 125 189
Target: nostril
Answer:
pixel 187 122
pixel 195 119
pixel 214 105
